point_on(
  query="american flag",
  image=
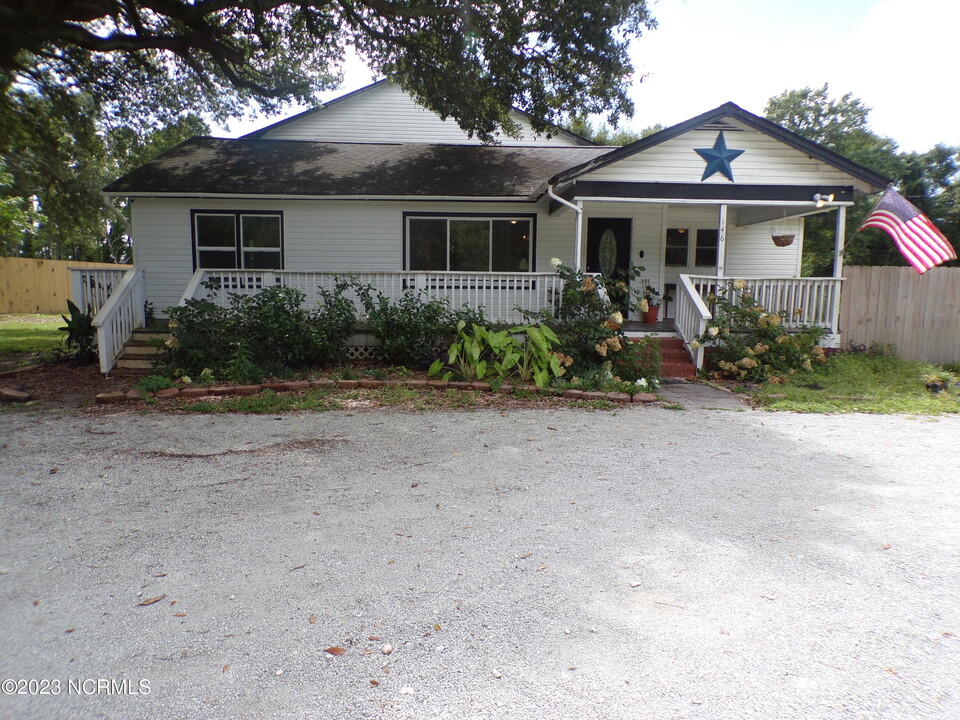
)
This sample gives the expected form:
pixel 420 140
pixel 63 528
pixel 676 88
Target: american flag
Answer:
pixel 917 239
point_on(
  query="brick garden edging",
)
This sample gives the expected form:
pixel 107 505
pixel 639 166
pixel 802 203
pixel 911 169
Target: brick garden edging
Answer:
pixel 110 398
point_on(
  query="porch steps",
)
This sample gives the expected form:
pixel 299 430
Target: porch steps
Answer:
pixel 674 358
pixel 136 360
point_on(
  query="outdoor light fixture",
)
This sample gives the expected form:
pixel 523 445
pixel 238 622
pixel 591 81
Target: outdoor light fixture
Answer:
pixel 822 200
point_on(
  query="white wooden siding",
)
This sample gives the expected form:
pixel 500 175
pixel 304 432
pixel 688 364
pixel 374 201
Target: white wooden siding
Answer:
pixel 343 235
pixel 751 252
pixel 336 235
pixel 765 161
pixel 384 114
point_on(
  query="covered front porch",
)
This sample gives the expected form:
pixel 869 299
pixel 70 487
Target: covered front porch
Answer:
pixel 119 300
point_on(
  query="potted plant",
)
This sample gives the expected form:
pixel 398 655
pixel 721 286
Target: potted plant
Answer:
pixel 649 304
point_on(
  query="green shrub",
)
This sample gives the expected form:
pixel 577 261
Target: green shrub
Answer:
pixel 268 332
pixel 152 383
pixel 639 359
pixel 601 378
pixel 751 340
pixel 414 327
pixel 408 329
pixel 332 324
pixel 240 368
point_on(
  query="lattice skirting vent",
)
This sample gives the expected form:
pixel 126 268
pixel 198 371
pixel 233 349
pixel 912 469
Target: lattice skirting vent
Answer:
pixel 361 352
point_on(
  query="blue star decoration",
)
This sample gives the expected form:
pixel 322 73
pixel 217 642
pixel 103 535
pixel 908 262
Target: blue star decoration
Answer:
pixel 718 158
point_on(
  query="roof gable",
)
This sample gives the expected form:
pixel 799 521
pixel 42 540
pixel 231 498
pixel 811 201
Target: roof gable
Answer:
pixel 702 130
pixel 384 112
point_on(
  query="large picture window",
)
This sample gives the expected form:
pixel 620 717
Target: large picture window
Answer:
pixel 470 244
pixel 238 239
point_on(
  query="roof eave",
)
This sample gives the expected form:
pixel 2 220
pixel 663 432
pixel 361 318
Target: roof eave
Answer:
pixel 173 195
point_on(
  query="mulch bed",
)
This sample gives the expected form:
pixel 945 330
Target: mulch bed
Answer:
pixel 63 384
pixel 58 381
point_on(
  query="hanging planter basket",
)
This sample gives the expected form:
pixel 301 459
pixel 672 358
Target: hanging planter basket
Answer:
pixel 783 240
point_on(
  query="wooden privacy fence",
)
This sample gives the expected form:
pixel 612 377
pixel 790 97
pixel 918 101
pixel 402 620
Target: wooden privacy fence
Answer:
pixel 918 314
pixel 29 285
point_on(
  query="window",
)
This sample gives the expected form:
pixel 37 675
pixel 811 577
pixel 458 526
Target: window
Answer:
pixel 235 239
pixel 706 253
pixel 470 244
pixel 676 253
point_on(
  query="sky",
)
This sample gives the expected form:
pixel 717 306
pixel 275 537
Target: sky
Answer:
pixel 900 58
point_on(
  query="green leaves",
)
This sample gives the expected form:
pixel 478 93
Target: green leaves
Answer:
pixel 270 332
pixel 524 353
pixel 145 61
pixel 81 335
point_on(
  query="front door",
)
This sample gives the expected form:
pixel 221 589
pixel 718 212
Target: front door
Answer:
pixel 608 251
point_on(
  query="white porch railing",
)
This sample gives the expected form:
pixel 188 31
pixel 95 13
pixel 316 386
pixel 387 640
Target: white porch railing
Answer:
pixel 691 315
pixel 802 301
pixel 120 315
pixel 499 294
pixel 92 286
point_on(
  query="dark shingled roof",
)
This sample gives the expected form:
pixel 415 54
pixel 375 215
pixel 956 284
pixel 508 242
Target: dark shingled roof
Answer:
pixel 205 165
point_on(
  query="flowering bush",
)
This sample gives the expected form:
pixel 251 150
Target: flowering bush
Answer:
pixel 751 340
pixel 582 318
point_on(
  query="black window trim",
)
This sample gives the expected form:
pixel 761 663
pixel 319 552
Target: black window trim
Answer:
pixel 532 217
pixel 238 250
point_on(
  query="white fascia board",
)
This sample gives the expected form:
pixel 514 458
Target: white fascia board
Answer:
pixel 688 201
pixel 248 196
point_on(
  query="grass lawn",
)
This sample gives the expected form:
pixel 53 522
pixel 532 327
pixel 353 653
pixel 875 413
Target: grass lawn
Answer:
pixel 860 382
pixel 29 333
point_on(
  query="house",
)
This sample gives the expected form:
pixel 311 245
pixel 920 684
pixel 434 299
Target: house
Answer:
pixel 375 185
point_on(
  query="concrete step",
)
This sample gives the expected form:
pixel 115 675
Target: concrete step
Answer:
pixel 143 335
pixel 125 361
pixel 130 372
pixel 140 349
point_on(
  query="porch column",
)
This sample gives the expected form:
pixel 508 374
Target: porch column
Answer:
pixel 578 242
pixel 838 237
pixel 722 241
pixel 838 241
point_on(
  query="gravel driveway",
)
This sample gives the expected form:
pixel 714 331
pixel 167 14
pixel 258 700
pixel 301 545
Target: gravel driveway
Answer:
pixel 643 563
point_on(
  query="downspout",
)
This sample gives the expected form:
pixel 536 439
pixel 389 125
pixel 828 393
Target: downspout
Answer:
pixel 578 242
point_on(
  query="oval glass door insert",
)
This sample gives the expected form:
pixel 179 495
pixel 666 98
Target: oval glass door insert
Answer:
pixel 608 253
